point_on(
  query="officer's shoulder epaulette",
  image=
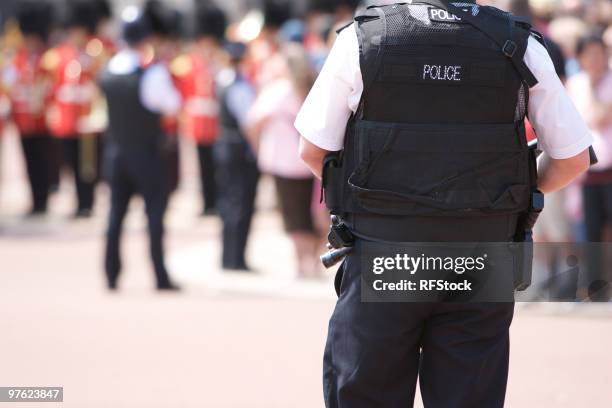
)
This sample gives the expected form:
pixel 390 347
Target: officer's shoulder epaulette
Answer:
pixel 181 66
pixel 368 14
pixel 338 31
pixel 525 23
pixel 538 36
pixel 374 6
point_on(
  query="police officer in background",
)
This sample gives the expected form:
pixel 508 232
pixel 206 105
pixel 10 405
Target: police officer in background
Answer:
pixel 137 94
pixel 426 102
pixel 237 173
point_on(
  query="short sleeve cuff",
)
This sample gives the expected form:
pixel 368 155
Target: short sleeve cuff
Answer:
pixel 317 138
pixel 571 151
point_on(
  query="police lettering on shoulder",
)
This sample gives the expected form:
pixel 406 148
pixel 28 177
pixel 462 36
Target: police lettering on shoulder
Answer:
pixel 416 126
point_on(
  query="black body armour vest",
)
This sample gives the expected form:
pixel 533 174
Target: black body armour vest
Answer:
pixel 437 150
pixel 230 128
pixel 130 124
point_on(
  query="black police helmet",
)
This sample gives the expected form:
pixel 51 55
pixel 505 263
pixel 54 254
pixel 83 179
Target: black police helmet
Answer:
pixel 136 26
pixel 159 17
pixel 276 13
pixel 83 14
pixel 105 10
pixel 34 18
pixel 211 21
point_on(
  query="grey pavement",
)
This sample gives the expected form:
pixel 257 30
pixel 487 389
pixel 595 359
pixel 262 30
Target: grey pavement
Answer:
pixel 226 341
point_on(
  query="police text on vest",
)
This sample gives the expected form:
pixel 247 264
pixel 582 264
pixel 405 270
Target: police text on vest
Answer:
pixel 442 15
pixel 442 72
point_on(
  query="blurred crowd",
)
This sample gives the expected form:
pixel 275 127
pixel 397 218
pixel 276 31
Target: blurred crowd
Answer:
pixel 240 82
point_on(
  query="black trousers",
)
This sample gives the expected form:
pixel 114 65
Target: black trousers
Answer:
pixel 136 173
pixel 37 150
pixel 173 162
pixel 54 163
pixel 74 157
pixel 597 199
pixel 237 176
pixel 376 351
pixel 207 177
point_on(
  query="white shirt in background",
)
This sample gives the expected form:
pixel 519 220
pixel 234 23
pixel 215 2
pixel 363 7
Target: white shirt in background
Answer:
pixel 157 91
pixel 279 140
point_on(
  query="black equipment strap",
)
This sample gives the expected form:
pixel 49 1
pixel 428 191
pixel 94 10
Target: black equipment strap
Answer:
pixel 508 40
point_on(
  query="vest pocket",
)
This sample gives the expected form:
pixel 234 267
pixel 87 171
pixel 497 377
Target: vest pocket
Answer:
pixel 407 169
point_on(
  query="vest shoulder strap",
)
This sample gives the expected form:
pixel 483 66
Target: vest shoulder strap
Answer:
pixel 338 31
pixel 507 31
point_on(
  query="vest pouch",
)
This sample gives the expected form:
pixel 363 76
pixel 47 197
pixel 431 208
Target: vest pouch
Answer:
pixel 332 182
pixel 440 170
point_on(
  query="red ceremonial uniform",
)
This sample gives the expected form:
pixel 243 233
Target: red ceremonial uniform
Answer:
pixel 531 134
pixel 73 89
pixel 194 79
pixel 29 93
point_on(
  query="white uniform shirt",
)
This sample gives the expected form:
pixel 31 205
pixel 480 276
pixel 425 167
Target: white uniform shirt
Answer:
pixel 562 133
pixel 157 91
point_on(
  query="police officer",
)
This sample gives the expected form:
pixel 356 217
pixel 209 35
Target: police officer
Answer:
pixel 237 173
pixel 426 102
pixel 28 87
pixel 137 94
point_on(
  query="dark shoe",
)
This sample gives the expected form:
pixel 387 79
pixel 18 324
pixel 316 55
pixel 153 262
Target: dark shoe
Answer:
pixel 112 286
pixel 35 213
pixel 168 287
pixel 210 212
pixel 84 213
pixel 237 268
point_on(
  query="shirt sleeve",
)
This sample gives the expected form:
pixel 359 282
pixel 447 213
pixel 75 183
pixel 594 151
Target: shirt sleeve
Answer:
pixel 562 132
pixel 240 98
pixel 335 95
pixel 158 93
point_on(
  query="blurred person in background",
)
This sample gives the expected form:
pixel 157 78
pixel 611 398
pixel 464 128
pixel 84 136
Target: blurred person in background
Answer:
pixel 276 141
pixel 166 40
pixel 237 172
pixel 540 18
pixel 566 31
pixel 28 87
pixel 138 94
pixel 607 37
pixel 591 91
pixel 73 67
pixel 263 51
pixel 194 72
pixel 344 10
pixel 319 23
